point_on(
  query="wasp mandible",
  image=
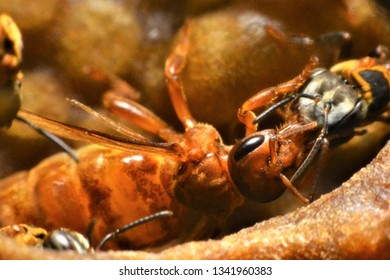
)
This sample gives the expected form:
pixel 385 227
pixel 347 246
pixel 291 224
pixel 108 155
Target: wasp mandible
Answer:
pixel 193 174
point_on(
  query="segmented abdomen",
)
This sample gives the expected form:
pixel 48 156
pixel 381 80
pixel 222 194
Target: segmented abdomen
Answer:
pixel 114 187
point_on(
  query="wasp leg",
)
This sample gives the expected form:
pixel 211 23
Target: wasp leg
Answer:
pixel 322 159
pixel 316 147
pixel 118 127
pixel 273 156
pixel 116 84
pixel 121 100
pixel 281 103
pixel 339 43
pixel 245 113
pixel 293 189
pixel 285 39
pixel 137 114
pixel 380 52
pixel 174 65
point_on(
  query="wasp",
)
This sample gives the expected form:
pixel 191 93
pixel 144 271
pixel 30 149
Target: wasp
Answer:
pixel 193 174
pixel 335 101
pixel 66 239
pixel 11 46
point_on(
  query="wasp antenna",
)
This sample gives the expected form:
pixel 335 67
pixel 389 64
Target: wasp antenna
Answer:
pixel 323 153
pixel 65 147
pixel 263 115
pixel 134 224
pixel 90 228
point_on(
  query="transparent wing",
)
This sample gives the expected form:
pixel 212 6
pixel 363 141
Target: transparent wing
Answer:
pixel 133 142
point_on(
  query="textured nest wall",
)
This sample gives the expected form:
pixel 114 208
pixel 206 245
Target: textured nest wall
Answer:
pixel 351 222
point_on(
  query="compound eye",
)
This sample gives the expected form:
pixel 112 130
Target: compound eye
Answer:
pixel 247 146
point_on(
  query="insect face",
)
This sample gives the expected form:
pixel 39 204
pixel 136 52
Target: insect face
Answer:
pixel 256 163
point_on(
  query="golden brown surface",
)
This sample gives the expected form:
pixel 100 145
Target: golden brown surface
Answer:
pixel 352 222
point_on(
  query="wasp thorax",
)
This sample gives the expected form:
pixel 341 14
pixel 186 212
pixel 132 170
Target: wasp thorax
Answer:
pixel 203 182
pixel 206 186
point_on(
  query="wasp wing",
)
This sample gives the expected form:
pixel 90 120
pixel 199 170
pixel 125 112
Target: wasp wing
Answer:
pixel 125 131
pixel 135 142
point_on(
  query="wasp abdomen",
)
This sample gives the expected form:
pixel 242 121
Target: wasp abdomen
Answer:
pixel 111 186
pixel 379 88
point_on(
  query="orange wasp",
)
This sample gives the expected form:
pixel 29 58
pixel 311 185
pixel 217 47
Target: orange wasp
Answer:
pixel 193 174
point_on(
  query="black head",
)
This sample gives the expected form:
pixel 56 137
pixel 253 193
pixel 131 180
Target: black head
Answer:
pixel 252 169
